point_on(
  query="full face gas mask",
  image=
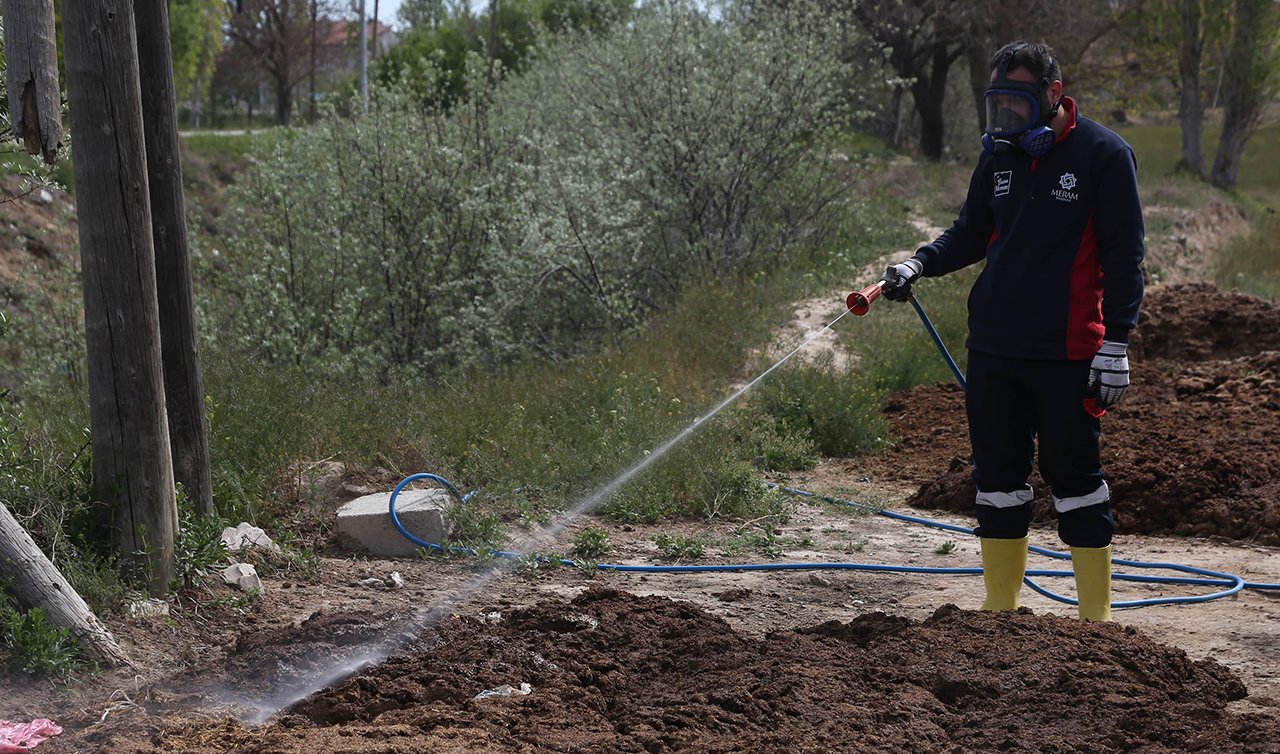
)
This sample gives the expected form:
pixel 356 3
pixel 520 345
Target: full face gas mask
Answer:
pixel 1016 114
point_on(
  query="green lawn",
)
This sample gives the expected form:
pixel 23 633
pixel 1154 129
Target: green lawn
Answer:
pixel 1159 149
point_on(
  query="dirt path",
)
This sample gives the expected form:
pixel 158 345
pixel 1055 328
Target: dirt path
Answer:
pixel 805 330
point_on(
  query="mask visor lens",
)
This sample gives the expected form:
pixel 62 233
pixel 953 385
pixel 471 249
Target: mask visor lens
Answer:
pixel 1010 112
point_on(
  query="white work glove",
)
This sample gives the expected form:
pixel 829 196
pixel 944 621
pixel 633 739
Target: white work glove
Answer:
pixel 1109 373
pixel 897 279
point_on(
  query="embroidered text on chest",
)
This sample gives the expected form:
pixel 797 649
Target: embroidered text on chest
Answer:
pixel 1066 181
pixel 1004 179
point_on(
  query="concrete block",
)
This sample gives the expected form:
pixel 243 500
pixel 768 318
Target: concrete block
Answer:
pixel 364 525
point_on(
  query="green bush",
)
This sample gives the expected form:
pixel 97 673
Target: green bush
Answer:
pixel 780 447
pixel 837 410
pixel 35 646
pixel 702 476
pixel 359 253
pixel 679 547
pixel 590 543
pixel 199 547
pixel 568 204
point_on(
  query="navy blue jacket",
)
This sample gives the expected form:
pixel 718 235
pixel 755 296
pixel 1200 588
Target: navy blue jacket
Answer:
pixel 1062 236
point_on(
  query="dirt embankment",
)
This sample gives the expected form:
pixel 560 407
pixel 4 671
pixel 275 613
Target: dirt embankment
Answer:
pixel 1192 449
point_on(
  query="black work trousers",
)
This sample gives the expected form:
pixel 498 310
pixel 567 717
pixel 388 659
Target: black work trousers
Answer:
pixel 1012 403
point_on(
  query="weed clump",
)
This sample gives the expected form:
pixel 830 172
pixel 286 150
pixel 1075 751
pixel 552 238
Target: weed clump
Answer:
pixel 35 646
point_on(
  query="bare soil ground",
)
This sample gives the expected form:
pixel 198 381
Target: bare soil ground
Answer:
pixel 791 661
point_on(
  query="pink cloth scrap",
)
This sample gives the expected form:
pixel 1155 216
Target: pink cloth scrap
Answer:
pixel 16 738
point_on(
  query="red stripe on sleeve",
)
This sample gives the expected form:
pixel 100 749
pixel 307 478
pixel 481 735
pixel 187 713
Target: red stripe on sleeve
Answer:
pixel 1084 308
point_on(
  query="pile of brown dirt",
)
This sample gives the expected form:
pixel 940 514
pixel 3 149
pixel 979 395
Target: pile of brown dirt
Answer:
pixel 1192 448
pixel 612 672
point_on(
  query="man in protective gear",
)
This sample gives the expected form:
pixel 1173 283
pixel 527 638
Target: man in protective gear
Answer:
pixel 1053 209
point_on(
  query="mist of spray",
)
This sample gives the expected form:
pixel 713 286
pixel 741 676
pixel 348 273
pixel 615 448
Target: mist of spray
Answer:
pixel 388 641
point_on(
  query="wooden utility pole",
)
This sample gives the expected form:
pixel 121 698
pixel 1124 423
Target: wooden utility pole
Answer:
pixel 31 55
pixel 132 468
pixel 36 583
pixel 183 383
pixel 35 103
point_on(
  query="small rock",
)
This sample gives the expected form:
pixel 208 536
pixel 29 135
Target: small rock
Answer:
pixel 819 579
pixel 44 197
pixel 393 581
pixel 244 576
pixel 505 690
pixel 150 608
pixel 246 537
pixel 734 594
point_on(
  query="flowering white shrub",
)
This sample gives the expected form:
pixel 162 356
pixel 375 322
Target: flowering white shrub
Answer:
pixel 569 203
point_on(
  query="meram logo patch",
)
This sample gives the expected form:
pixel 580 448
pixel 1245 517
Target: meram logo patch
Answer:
pixel 1067 181
pixel 1004 179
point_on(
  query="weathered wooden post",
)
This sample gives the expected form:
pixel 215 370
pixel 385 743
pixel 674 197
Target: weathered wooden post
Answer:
pixel 132 468
pixel 179 347
pixel 31 55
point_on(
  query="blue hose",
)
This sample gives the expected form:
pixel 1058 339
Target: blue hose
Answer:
pixel 937 341
pixel 1233 584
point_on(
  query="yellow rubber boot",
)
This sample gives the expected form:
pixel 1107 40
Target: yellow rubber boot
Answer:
pixel 1093 581
pixel 1004 563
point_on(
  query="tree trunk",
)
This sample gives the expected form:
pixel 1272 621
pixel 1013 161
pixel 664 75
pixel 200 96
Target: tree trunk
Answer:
pixel 183 384
pixel 895 138
pixel 1191 110
pixel 35 582
pixel 979 79
pixel 132 469
pixel 195 97
pixel 35 101
pixel 364 59
pixel 284 101
pixel 493 38
pixel 929 94
pixel 315 15
pixel 1243 90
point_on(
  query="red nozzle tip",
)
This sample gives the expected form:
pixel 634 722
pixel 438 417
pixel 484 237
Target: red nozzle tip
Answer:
pixel 859 302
